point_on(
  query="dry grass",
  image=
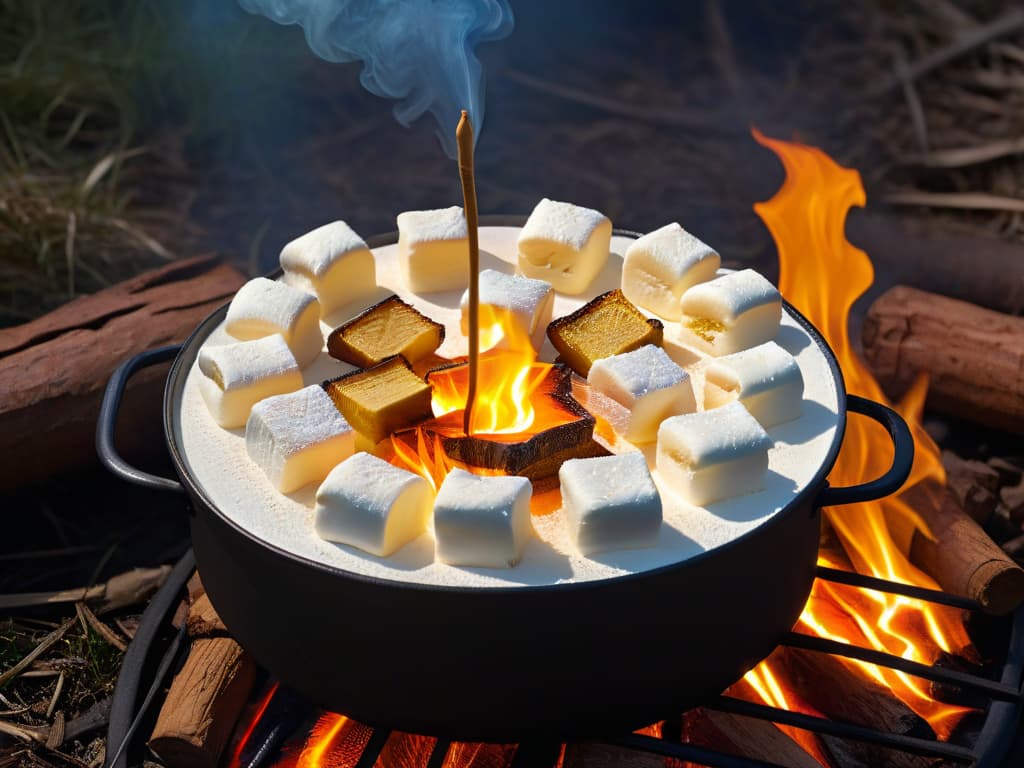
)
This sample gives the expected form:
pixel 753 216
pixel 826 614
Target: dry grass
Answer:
pixel 71 172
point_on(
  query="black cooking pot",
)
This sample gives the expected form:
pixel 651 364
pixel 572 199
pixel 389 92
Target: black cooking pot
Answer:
pixel 505 663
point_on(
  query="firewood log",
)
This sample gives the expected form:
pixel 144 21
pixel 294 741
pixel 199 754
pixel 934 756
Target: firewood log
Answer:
pixel 982 270
pixel 206 696
pixel 53 370
pixel 745 737
pixel 831 687
pixel 963 559
pixel 974 356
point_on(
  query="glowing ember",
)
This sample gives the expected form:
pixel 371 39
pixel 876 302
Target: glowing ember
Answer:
pixel 335 742
pixel 823 275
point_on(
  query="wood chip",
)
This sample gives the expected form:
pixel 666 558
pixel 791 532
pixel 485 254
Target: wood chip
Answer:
pixel 56 736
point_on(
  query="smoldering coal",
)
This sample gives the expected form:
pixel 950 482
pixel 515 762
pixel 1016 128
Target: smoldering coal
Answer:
pixel 421 53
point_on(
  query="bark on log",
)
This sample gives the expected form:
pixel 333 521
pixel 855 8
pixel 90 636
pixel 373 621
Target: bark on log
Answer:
pixel 206 696
pixel 974 356
pixel 745 737
pixel 963 559
pixel 53 369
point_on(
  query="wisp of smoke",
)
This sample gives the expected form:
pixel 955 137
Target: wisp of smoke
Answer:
pixel 420 52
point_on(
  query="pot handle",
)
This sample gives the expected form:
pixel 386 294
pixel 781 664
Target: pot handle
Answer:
pixel 903 457
pixel 107 420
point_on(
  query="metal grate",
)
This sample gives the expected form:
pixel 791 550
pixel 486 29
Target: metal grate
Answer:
pixel 990 747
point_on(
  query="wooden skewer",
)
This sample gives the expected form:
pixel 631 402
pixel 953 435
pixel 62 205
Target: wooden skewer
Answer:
pixel 464 140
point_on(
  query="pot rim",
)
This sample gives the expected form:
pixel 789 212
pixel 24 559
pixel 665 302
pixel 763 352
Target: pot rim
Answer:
pixel 174 389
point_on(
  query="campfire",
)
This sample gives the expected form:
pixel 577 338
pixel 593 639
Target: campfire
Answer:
pixel 526 419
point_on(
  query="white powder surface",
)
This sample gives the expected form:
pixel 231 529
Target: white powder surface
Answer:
pixel 246 362
pixel 427 226
pixel 729 296
pixel 217 460
pixel 320 249
pixel 563 223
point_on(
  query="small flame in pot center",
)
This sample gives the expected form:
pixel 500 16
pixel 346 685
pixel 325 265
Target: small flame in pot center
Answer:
pixel 509 375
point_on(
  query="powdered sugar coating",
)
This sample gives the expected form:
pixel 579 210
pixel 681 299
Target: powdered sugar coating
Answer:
pixel 565 223
pixel 713 437
pixel 437 224
pixel 245 362
pixel 528 300
pixel 631 375
pixel 727 297
pixel 765 378
pixel 662 264
pixel 299 419
pixel 267 305
pixel 482 522
pixel 315 252
pixel 263 307
pixel 610 502
pixel 368 503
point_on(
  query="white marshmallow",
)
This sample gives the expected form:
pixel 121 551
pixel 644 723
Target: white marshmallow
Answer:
pixel 333 262
pixel 713 455
pixel 433 249
pixel 526 302
pixel 297 438
pixel 732 312
pixel 765 378
pixel 263 307
pixel 659 266
pixel 565 244
pixel 237 376
pixel 649 384
pixel 610 502
pixel 370 504
pixel 482 521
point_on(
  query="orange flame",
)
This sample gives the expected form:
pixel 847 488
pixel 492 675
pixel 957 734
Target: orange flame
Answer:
pixel 509 374
pixel 822 274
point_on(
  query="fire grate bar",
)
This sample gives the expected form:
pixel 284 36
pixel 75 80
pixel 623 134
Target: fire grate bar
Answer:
pixel 530 754
pixel 373 747
pixel 993 688
pixel 843 730
pixel 439 753
pixel 896 588
pixel 687 752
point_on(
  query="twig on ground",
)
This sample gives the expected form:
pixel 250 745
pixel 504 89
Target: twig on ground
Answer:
pixel 129 588
pixel 101 629
pixel 913 100
pixel 36 652
pixel 966 42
